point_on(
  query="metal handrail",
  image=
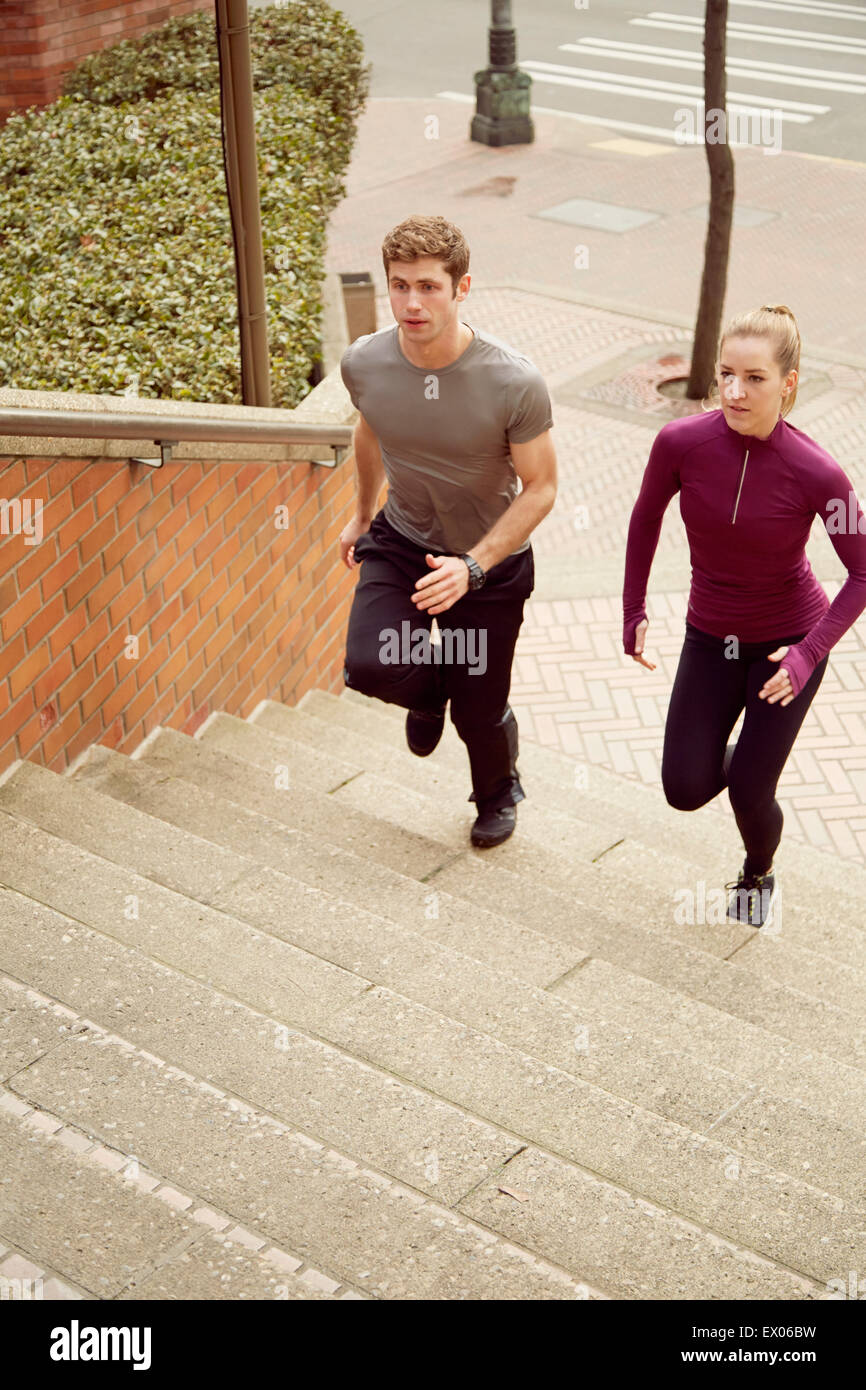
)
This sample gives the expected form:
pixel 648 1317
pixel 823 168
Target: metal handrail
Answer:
pixel 108 424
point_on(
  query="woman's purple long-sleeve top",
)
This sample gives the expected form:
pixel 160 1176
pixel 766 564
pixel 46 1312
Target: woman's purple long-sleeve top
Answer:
pixel 748 506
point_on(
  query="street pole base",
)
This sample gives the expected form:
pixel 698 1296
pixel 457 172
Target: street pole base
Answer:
pixel 502 108
pixel 488 131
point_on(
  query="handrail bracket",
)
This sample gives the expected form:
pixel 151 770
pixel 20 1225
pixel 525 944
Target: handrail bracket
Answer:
pixel 165 448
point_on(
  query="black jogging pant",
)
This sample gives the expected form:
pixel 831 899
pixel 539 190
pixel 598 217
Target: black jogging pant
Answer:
pixel 389 654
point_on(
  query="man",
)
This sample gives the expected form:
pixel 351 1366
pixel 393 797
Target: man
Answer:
pixel 452 417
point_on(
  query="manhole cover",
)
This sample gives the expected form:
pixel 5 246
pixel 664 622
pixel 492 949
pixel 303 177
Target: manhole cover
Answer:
pixel 605 217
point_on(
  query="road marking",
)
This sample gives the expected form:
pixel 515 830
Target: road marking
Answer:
pixel 693 96
pixel 648 87
pixel 636 127
pixel 824 11
pixel 821 79
pixel 755 33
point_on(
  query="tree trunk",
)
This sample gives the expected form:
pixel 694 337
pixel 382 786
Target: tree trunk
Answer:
pixel 721 169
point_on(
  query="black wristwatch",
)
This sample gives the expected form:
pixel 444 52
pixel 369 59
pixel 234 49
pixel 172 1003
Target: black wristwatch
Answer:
pixel 477 577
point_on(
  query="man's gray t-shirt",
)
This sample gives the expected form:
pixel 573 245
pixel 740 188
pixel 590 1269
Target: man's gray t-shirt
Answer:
pixel 444 433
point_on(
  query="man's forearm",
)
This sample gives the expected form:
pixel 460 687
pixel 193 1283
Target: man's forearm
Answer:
pixel 515 525
pixel 369 473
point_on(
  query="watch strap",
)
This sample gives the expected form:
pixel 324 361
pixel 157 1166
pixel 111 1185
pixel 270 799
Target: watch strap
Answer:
pixel 477 575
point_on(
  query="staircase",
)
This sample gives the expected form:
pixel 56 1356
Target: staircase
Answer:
pixel 271 1029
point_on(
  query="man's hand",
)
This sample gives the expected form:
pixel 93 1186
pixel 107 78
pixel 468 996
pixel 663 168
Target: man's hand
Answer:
pixel 637 654
pixel 778 687
pixel 447 582
pixel 348 536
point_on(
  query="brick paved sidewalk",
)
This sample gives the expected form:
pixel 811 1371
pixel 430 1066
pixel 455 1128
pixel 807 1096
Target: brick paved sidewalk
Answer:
pixel 600 353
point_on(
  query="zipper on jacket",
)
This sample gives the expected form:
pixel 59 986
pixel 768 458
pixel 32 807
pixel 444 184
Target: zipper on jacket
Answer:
pixel 740 488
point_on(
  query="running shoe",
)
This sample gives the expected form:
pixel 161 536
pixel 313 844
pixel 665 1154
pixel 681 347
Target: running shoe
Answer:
pixel 424 730
pixel 752 898
pixel 493 827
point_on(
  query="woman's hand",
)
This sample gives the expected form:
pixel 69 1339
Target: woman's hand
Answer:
pixel 778 687
pixel 637 654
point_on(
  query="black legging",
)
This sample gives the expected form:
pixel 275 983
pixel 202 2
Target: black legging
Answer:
pixel 710 691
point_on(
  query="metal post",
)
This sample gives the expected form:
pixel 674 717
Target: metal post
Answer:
pixel 501 89
pixel 242 182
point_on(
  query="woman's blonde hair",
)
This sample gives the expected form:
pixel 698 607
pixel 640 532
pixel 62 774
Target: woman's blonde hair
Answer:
pixel 777 323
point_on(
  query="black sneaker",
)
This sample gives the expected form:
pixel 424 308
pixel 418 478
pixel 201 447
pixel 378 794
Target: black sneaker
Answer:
pixel 424 730
pixel 752 898
pixel 492 827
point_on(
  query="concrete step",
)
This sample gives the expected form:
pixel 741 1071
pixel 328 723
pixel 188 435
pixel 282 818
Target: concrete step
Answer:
pixel 624 1058
pixel 393 772
pixel 342 1101
pixel 391 1241
pixel 272 1214
pixel 293 802
pixel 571 835
pixel 749 992
pixel 472 877
pixel 351 1050
pixel 660 892
pixel 153 1112
pixel 811 1022
pixel 193 804
pixel 696 880
pixel 609 799
pixel 358 1108
pixel 139 1244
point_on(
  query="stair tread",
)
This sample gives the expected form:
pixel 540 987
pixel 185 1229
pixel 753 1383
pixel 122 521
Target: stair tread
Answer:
pixel 449 1062
pixel 186 864
pixel 162 1116
pixel 609 792
pixel 646 1143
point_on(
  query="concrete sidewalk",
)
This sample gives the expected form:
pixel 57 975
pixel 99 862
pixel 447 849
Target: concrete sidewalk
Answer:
pixel 603 335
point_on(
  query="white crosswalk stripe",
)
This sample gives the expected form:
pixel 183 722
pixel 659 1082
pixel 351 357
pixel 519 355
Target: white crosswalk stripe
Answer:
pixel 810 7
pixel 821 79
pixel 756 33
pixel 651 89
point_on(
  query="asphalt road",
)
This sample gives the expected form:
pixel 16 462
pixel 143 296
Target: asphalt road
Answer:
pixel 633 66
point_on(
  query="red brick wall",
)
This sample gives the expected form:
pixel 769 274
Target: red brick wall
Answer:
pixel 41 39
pixel 228 608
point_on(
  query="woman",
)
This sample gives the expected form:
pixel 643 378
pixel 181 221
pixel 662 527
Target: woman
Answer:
pixel 759 625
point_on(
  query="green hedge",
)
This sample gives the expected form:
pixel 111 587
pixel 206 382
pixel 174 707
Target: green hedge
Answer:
pixel 307 45
pixel 116 258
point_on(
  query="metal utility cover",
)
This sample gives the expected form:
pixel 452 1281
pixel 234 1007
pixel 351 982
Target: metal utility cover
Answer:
pixel 605 217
